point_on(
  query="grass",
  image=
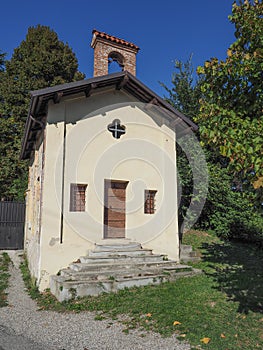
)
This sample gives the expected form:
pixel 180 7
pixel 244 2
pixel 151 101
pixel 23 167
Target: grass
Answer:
pixel 223 306
pixel 30 282
pixel 4 276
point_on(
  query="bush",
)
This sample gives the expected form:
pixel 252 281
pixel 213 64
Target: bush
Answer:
pixel 228 213
pixel 249 231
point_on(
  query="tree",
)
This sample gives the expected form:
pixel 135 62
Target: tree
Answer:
pixel 227 212
pixel 41 60
pixel 186 92
pixel 231 114
pixel 2 61
pixel 2 66
pixel 184 96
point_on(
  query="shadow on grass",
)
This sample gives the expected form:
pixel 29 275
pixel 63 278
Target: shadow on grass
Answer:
pixel 238 270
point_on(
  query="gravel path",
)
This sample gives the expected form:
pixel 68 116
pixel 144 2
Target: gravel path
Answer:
pixel 23 327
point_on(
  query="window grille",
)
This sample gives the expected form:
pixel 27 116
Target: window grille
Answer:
pixel 77 197
pixel 149 201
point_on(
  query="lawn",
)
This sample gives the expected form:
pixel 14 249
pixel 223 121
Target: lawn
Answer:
pixel 221 309
pixel 4 265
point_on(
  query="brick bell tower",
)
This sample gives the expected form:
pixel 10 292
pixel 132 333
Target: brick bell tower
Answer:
pixel 108 48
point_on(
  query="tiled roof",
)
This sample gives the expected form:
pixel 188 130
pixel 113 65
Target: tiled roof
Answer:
pixel 114 39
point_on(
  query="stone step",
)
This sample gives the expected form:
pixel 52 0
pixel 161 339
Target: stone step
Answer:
pixel 118 253
pixel 193 253
pixel 65 288
pixel 131 272
pixel 187 259
pixel 185 249
pixel 118 247
pixel 187 254
pixel 139 281
pixel 122 258
pixel 91 276
pixel 109 268
pixel 125 265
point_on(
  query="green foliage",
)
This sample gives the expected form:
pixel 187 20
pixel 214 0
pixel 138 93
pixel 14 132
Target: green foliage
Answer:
pixel 231 118
pixel 4 276
pixel 30 282
pixel 46 300
pixel 186 92
pixel 13 172
pixel 2 61
pixel 41 60
pixel 228 213
pixel 185 185
pixel 2 64
pixel 185 96
pixel 196 238
pixel 192 180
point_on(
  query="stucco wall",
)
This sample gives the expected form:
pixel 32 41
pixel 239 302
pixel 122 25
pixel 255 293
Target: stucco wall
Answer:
pixel 144 156
pixel 33 207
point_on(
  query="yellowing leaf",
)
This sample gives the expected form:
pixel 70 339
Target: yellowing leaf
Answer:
pixel 182 335
pixel 200 70
pixel 222 335
pixel 229 53
pixel 149 315
pixel 258 183
pixel 176 323
pixel 247 56
pixel 205 340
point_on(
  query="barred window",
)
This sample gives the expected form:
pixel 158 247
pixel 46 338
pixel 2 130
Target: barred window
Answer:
pixel 77 197
pixel 149 201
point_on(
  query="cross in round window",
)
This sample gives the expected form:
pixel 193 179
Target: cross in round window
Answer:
pixel 116 128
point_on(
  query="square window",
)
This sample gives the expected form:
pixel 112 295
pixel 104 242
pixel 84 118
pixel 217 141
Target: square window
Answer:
pixel 149 201
pixel 77 197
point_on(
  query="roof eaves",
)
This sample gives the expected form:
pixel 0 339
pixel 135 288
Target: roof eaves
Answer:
pixel 75 84
pixel 102 35
pixel 39 98
pixel 164 103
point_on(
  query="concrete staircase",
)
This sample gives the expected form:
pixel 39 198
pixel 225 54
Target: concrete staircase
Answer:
pixel 109 268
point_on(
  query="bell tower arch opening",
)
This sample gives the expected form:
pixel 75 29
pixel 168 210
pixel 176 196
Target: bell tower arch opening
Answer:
pixel 111 52
pixel 116 62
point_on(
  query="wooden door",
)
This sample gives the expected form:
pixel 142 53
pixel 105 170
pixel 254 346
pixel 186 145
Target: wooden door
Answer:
pixel 114 208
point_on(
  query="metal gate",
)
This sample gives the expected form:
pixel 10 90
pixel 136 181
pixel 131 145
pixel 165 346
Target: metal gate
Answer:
pixel 12 219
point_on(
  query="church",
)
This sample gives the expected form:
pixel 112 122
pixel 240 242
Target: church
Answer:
pixel 102 166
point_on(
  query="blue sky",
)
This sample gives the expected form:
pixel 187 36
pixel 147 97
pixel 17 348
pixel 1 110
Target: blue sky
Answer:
pixel 165 30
